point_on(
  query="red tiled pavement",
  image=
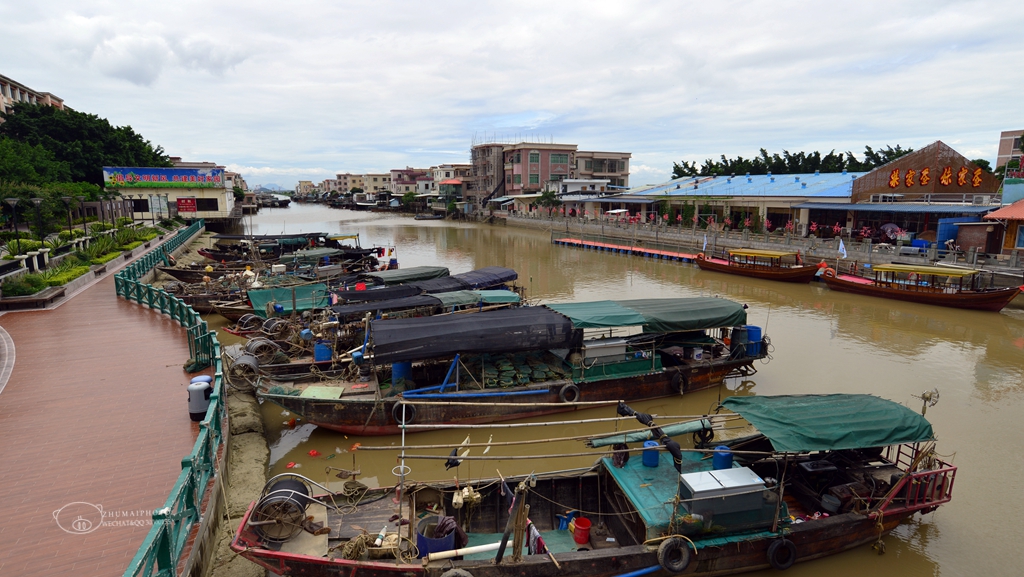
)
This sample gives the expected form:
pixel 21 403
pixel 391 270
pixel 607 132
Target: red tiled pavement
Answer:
pixel 95 412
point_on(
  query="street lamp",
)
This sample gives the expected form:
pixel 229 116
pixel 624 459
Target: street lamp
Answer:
pixel 81 203
pixel 131 203
pixel 39 217
pixel 167 206
pixel 67 204
pixel 152 210
pixel 14 203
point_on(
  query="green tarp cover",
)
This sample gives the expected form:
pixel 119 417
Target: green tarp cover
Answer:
pixel 802 423
pixel 307 297
pixel 313 255
pixel 411 274
pixel 655 315
pixel 463 298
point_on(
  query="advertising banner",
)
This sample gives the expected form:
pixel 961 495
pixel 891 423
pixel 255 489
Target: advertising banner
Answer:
pixel 145 177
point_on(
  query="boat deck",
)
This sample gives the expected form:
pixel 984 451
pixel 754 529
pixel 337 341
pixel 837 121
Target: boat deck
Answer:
pixel 652 489
pixel 93 411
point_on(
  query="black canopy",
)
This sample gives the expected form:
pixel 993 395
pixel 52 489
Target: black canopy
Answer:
pixel 487 277
pixel 504 330
pixel 388 305
pixel 441 285
pixel 379 294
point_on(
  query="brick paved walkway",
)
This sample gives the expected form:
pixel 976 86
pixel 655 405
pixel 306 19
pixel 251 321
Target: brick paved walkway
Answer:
pixel 95 413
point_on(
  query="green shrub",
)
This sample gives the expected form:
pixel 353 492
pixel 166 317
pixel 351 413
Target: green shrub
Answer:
pixel 124 221
pixel 132 245
pixel 105 258
pixel 28 284
pixel 67 276
pixel 26 246
pixel 146 234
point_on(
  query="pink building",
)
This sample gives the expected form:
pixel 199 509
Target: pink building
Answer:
pixel 530 166
pixel 1009 146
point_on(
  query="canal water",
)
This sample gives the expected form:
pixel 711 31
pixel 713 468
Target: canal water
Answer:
pixel 821 342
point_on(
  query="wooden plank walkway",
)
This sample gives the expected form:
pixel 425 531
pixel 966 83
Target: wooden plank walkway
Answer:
pixel 94 415
pixel 636 249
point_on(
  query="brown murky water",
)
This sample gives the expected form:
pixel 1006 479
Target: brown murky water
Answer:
pixel 823 342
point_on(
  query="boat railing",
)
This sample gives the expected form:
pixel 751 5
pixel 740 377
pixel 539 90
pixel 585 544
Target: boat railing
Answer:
pixel 919 490
pixel 176 525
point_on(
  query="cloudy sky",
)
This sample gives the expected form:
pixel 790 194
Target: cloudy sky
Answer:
pixel 287 90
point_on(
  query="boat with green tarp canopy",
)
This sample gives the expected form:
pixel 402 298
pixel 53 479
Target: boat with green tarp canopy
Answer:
pixel 806 423
pixel 305 297
pixel 411 274
pixel 487 297
pixel 655 315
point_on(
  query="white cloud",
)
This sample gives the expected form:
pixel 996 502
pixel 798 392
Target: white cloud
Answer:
pixel 359 87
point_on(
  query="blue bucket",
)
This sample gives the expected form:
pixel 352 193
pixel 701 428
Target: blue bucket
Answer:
pixel 721 458
pixel 322 352
pixel 427 545
pixel 650 458
pixel 753 341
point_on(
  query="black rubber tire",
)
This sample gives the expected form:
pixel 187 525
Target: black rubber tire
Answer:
pixel 674 555
pixel 781 554
pixel 456 573
pixel 410 413
pixel 703 436
pixel 569 394
pixel 679 382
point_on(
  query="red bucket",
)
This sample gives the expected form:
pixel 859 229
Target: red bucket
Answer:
pixel 582 532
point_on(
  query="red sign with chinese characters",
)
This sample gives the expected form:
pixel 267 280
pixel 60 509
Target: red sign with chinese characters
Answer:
pixel 187 204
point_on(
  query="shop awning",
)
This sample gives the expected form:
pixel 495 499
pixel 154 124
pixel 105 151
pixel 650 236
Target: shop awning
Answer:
pixel 901 207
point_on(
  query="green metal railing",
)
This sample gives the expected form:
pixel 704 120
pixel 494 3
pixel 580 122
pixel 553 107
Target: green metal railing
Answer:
pixel 161 551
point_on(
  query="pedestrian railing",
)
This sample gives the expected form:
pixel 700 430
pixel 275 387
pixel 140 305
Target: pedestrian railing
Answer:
pixel 161 551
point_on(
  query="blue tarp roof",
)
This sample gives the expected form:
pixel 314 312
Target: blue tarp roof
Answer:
pixel 898 207
pixel 829 184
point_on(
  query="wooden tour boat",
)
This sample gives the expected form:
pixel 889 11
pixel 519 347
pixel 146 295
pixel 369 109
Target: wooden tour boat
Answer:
pixel 819 475
pixel 514 363
pixel 932 285
pixel 765 264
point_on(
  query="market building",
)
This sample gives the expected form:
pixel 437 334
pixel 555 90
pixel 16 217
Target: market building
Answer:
pixel 190 190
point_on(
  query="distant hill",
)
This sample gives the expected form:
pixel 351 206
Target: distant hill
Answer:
pixel 267 187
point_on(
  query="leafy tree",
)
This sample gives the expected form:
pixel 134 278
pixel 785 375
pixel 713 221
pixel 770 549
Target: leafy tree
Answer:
pixel 238 193
pixel 24 163
pixel 408 198
pixel 548 199
pixel 355 190
pixel 85 142
pixel 983 164
pixel 790 163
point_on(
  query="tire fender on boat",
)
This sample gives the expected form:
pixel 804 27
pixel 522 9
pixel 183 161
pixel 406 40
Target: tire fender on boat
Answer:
pixel 781 554
pixel 172 260
pixel 674 555
pixel 700 256
pixel 829 272
pixel 679 382
pixel 453 572
pixel 569 394
pixel 410 413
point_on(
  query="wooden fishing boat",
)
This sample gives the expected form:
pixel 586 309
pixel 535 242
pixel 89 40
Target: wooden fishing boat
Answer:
pixel 514 363
pixel 424 216
pixel 932 285
pixel 765 264
pixel 779 496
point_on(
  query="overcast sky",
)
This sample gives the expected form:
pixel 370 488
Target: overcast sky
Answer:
pixel 282 91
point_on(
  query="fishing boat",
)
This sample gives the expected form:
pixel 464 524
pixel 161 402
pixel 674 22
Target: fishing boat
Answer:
pixel 932 285
pixel 520 362
pixel 424 216
pixel 765 264
pixel 818 475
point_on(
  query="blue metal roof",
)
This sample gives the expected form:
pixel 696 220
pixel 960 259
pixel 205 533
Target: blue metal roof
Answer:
pixel 826 184
pixel 898 207
pixel 618 199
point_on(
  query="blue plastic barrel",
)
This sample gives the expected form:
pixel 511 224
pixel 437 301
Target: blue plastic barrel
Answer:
pixel 202 379
pixel 322 351
pixel 753 341
pixel 650 457
pixel 721 458
pixel 425 541
pixel 401 371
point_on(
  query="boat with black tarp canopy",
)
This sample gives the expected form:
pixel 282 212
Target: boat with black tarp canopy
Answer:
pixel 531 361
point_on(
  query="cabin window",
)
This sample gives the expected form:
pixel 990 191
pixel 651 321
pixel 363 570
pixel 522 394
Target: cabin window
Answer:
pixel 1020 236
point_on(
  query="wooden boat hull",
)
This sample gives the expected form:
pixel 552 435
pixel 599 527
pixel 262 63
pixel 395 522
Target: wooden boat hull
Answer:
pixel 800 274
pixel 367 416
pixel 982 300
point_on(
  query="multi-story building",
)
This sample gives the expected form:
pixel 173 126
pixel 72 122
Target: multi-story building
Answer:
pixel 530 167
pixel 347 181
pixel 377 182
pixel 304 187
pixel 12 92
pixel 1009 146
pixel 449 171
pixel 487 179
pixel 404 180
pixel 611 166
pixel 329 185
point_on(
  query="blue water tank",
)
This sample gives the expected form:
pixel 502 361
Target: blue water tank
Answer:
pixel 721 458
pixel 753 340
pixel 401 371
pixel 322 351
pixel 650 454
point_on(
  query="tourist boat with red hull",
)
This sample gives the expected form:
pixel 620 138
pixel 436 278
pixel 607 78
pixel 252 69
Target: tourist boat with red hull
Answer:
pixel 763 264
pixel 819 475
pixel 931 285
pixel 522 362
